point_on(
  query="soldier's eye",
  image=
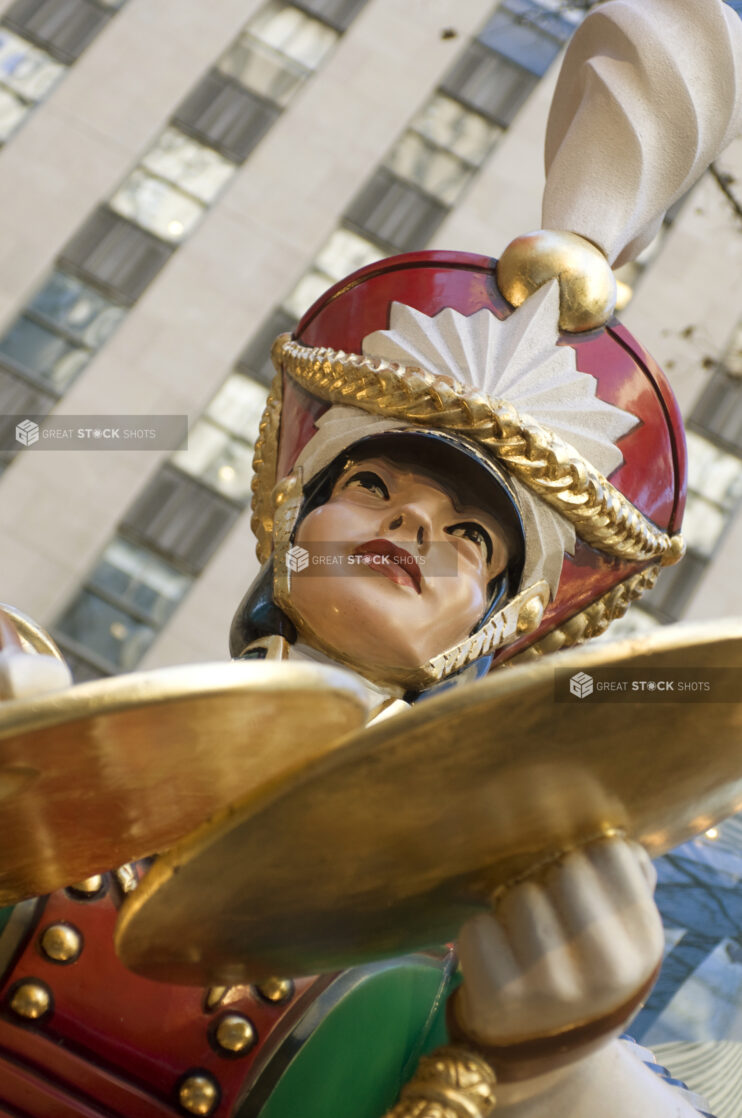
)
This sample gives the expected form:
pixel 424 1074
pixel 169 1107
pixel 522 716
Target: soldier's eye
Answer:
pixel 367 479
pixel 470 530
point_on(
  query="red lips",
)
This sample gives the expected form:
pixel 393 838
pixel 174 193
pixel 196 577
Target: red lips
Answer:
pixel 395 562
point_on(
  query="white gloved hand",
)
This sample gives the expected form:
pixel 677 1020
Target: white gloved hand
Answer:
pixel 568 947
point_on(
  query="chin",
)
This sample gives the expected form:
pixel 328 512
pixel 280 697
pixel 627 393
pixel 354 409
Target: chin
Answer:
pixel 370 624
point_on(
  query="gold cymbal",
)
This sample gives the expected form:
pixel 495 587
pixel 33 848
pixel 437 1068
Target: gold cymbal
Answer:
pixel 400 835
pixel 32 637
pixel 113 770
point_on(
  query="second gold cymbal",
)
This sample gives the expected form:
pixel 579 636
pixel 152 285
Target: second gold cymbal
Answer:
pixel 404 832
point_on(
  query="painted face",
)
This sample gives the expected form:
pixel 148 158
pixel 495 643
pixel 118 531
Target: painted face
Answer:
pixel 412 571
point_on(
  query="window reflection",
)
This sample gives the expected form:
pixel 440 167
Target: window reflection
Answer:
pixel 139 579
pixel 108 632
pixel 217 458
pixel 39 351
pixel 25 69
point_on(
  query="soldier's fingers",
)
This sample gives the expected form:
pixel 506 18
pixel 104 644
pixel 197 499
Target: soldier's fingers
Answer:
pixel 486 954
pixel 624 868
pixel 538 938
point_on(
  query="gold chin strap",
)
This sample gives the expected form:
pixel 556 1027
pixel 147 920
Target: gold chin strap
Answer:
pixel 521 615
pixel 602 516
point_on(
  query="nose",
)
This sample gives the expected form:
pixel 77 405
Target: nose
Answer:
pixel 414 520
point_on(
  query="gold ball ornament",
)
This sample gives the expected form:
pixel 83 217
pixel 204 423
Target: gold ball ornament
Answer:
pixel 31 1000
pixel 198 1094
pixel 276 990
pixel 235 1034
pixel 87 888
pixel 587 286
pixel 61 943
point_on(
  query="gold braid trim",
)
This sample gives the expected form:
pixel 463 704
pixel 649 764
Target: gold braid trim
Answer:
pixel 549 466
pixel 264 470
pixel 594 620
pixel 450 1083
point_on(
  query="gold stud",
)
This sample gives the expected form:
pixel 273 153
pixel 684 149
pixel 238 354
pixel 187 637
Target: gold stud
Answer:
pixel 31 1000
pixel 198 1094
pixel 61 943
pixel 235 1033
pixel 87 887
pixel 215 995
pixel 276 989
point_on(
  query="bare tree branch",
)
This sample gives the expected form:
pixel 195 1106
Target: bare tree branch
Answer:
pixel 723 181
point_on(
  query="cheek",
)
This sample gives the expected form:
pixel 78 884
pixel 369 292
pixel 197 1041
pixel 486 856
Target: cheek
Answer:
pixel 463 601
pixel 469 599
pixel 336 522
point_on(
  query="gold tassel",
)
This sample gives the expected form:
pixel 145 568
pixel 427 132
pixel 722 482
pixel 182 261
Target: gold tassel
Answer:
pixel 449 1083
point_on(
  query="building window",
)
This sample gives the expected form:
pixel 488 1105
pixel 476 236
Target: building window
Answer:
pixel 82 670
pixel 96 629
pixel 12 112
pixel 295 37
pixel 221 444
pixel 490 84
pixel 181 519
pixel 718 412
pixel 169 191
pixel 277 51
pixel 64 27
pixel 344 252
pixel 434 170
pixel 76 309
pixel 714 494
pixel 528 33
pixel 501 68
pixel 115 255
pixel 338 13
pixel 42 353
pixel 19 398
pixel 226 116
pixel 395 213
pixel 138 581
pixel 157 206
pixel 196 169
pixel 25 70
pixel 120 249
pixel 447 124
pixel 129 596
pixel 255 359
pixel 218 459
pixel 235 104
pixel 442 148
pixel 65 322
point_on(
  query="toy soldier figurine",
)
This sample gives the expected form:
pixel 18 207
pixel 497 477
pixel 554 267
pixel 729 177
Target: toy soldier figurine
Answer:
pixel 462 463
